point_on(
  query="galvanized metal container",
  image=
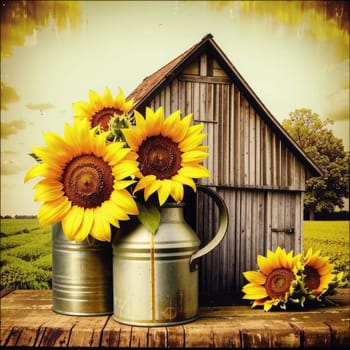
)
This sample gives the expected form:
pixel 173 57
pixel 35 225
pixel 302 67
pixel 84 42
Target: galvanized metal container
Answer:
pixel 81 276
pixel 155 277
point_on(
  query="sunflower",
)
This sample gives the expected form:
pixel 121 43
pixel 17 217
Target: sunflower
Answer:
pixel 169 153
pixel 275 280
pixel 101 109
pixel 317 272
pixel 83 182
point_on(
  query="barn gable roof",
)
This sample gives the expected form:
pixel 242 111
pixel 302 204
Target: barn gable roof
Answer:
pixel 152 84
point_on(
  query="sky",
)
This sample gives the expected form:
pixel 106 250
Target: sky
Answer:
pixel 292 57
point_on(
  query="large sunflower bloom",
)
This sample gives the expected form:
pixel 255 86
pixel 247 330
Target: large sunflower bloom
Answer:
pixel 274 282
pixel 318 272
pixel 84 182
pixel 169 153
pixel 101 108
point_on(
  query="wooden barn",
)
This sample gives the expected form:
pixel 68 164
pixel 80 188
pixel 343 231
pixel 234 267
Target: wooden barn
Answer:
pixel 255 165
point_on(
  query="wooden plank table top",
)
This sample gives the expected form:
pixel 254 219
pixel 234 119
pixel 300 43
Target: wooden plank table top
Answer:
pixel 27 320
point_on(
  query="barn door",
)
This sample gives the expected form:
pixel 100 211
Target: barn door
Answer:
pixel 284 220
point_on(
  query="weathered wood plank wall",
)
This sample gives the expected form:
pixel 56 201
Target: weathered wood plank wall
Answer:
pixel 244 151
pixel 260 179
pixel 259 220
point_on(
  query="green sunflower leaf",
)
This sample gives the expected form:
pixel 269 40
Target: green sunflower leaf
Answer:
pixel 294 300
pixel 149 216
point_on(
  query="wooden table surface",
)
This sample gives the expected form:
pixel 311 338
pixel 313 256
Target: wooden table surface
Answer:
pixel 27 320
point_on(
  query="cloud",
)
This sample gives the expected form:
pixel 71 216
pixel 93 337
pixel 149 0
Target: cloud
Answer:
pixel 39 106
pixel 12 128
pixel 9 166
pixel 8 95
pixel 339 105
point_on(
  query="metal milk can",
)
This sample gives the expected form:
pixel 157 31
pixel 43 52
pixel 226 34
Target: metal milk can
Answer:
pixel 155 277
pixel 81 275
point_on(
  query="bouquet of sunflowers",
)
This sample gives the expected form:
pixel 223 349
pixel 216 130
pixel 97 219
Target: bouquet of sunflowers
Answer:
pixel 285 280
pixel 91 175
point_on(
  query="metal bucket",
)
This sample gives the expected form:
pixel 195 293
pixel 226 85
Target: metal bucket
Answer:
pixel 81 276
pixel 155 277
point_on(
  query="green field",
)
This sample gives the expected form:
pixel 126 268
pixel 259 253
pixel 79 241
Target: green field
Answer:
pixel 26 258
pixel 332 237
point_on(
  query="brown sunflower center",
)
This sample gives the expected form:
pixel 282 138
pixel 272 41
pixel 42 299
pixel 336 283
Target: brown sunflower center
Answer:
pixel 103 116
pixel 312 279
pixel 87 181
pixel 278 283
pixel 159 156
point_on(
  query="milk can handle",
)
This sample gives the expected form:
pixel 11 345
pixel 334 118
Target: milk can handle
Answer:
pixel 223 224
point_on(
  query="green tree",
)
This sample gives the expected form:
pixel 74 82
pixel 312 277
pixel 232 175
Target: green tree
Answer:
pixel 324 193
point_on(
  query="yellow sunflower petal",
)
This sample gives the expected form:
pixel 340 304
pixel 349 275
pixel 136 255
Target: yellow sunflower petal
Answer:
pixel 185 124
pixel 273 259
pixel 108 98
pixel 72 221
pixel 190 143
pixel 289 260
pixel 48 192
pixel 81 108
pixel 177 191
pixel 197 171
pixel 195 129
pixel 141 125
pixel 185 181
pixel 283 258
pixel 128 105
pixel 119 185
pixel 114 213
pixel 325 269
pixel 319 262
pixel 145 182
pixel 312 257
pixel 99 146
pixel 264 264
pixel 308 255
pixel 255 277
pixel 85 227
pixel 56 142
pixel 164 191
pixel 124 169
pixel 111 150
pixel 259 302
pixel 53 211
pixel 194 156
pixel 95 100
pixel 114 153
pixel 36 170
pixel 154 121
pixel 124 200
pixel 170 123
pixel 132 138
pixel 120 99
pixel 180 129
pixel 50 182
pixel 100 228
pixel 268 305
pixel 253 292
pixel 324 282
pixel 149 190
